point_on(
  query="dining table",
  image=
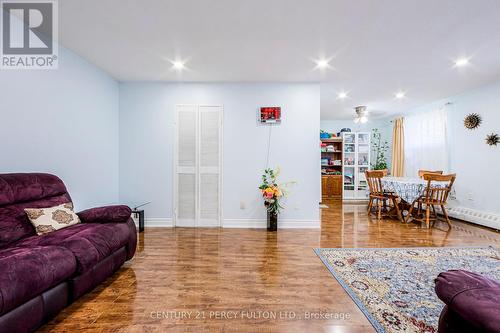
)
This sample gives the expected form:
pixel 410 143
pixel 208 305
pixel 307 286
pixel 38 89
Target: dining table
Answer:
pixel 407 188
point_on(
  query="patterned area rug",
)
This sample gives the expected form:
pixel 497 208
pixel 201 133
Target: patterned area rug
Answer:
pixel 395 287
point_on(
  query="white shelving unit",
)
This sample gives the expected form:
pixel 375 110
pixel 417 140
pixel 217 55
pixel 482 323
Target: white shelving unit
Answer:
pixel 357 147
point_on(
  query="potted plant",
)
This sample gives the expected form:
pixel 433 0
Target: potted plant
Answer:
pixel 272 194
pixel 380 148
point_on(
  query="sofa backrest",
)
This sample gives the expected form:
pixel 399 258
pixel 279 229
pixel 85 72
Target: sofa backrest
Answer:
pixel 26 190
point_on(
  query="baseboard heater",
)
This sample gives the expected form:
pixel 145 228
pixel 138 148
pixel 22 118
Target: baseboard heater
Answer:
pixel 490 220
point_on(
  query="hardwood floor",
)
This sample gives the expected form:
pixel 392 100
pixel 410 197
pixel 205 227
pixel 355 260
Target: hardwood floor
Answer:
pixel 185 280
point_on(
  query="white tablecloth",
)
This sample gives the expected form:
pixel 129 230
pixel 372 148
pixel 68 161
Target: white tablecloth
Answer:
pixel 408 189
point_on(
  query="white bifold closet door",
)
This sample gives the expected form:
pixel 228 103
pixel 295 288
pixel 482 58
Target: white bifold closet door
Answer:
pixel 198 166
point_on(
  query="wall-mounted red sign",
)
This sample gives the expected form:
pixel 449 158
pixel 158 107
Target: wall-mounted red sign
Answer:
pixel 269 115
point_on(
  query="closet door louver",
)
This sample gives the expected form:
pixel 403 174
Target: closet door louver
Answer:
pixel 198 169
pixel 209 169
pixel 186 178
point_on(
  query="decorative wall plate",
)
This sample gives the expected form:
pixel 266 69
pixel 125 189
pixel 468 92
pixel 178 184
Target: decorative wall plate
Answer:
pixel 492 139
pixel 472 121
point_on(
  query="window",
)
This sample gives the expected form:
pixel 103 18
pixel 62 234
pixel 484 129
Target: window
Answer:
pixel 425 142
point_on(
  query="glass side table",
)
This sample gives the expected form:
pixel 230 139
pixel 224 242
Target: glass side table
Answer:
pixel 139 213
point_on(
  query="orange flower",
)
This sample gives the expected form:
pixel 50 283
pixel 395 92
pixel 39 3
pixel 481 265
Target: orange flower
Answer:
pixel 268 193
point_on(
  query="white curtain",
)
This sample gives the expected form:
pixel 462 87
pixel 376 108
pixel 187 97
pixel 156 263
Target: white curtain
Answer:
pixel 425 142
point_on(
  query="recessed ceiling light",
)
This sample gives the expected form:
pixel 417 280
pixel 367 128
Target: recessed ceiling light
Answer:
pixel 400 95
pixel 178 65
pixel 322 63
pixel 342 95
pixel 461 62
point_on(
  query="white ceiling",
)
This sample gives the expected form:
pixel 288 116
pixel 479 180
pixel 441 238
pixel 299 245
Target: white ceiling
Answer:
pixel 376 47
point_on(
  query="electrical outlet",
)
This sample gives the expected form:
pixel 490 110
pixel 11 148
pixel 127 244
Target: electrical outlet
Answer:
pixel 242 205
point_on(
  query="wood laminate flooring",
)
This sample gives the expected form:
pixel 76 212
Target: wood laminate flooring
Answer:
pixel 247 280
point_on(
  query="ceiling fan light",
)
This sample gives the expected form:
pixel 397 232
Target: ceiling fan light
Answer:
pixel 361 114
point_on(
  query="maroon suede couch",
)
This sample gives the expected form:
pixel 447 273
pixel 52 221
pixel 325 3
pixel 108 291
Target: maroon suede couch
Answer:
pixel 472 302
pixel 40 275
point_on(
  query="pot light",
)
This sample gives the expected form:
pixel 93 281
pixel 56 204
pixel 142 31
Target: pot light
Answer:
pixel 342 95
pixel 400 95
pixel 178 65
pixel 461 62
pixel 322 63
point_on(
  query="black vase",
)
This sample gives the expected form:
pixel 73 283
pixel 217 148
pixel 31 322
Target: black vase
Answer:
pixel 272 221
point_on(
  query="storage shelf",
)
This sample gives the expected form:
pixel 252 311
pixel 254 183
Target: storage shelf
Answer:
pixel 356 149
pixel 332 140
pixel 331 176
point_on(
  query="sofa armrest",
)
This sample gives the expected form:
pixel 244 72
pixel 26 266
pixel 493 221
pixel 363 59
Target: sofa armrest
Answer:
pixel 107 214
pixel 472 297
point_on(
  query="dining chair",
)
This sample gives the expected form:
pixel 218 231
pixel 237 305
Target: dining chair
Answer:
pixel 433 196
pixel 377 193
pixel 421 173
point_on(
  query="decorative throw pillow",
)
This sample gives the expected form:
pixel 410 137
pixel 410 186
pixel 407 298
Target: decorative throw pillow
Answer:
pixel 50 219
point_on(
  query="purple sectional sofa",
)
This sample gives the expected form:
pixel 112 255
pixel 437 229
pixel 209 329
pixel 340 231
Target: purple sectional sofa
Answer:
pixel 472 303
pixel 40 275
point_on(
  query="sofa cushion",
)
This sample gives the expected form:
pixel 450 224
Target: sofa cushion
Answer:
pixel 24 187
pixel 14 223
pixel 50 219
pixel 106 214
pixel 474 297
pixel 26 190
pixel 89 243
pixel 27 272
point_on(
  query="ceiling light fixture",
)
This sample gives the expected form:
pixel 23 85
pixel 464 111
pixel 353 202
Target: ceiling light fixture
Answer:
pixel 342 95
pixel 461 62
pixel 322 63
pixel 361 114
pixel 178 65
pixel 400 95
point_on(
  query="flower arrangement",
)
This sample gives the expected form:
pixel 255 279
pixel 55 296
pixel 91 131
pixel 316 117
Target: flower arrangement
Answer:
pixel 272 192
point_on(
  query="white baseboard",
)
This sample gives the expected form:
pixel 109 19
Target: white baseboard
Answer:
pixel 491 220
pixel 158 223
pixel 260 223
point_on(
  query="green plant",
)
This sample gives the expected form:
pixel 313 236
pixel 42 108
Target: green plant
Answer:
pixel 380 148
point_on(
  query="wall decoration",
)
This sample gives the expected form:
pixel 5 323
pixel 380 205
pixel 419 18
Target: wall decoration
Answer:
pixel 270 115
pixel 472 121
pixel 492 139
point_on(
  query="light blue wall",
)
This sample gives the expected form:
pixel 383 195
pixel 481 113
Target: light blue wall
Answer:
pixel 474 162
pixel 147 137
pixel 64 122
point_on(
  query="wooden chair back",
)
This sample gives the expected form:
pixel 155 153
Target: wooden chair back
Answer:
pixel 437 195
pixel 421 173
pixel 374 179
